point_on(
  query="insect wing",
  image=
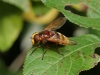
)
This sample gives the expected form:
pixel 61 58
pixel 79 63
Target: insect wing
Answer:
pixel 56 24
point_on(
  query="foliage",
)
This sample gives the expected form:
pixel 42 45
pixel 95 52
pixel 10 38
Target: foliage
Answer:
pixel 80 20
pixel 10 25
pixel 22 4
pixel 76 58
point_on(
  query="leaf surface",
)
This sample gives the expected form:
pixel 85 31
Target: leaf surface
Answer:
pixel 76 58
pixel 77 19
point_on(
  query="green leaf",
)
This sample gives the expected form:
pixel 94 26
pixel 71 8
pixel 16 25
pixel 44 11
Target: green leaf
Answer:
pixel 22 4
pixel 95 32
pixel 10 25
pixel 91 13
pixel 80 20
pixel 76 58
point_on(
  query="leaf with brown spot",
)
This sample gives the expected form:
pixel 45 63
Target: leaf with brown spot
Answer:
pixel 55 64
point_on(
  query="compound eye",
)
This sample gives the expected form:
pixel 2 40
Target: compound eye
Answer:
pixel 37 38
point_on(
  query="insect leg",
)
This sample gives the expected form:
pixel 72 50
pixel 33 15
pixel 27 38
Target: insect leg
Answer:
pixel 45 51
pixel 36 46
pixel 58 51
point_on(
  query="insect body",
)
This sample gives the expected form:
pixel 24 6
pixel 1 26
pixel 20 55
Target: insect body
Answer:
pixel 50 35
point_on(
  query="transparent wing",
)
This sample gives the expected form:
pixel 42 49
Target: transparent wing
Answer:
pixel 56 24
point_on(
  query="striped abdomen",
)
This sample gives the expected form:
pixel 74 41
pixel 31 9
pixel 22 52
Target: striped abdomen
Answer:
pixel 58 38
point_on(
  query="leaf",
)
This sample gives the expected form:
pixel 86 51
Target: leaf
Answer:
pixel 95 32
pixel 80 20
pixel 92 13
pixel 22 4
pixel 10 25
pixel 76 58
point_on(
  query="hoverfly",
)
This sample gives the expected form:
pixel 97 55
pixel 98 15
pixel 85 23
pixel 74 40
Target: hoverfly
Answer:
pixel 50 35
